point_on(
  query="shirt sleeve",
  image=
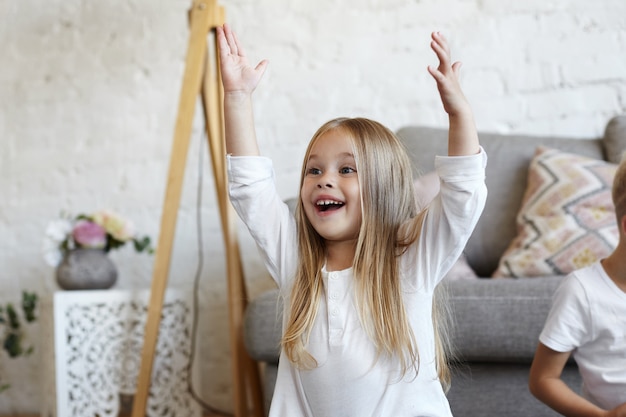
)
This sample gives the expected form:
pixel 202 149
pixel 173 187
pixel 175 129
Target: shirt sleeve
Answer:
pixel 450 218
pixel 254 197
pixel 568 320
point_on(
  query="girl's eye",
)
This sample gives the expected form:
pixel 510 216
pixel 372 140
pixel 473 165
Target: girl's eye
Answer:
pixel 347 170
pixel 314 171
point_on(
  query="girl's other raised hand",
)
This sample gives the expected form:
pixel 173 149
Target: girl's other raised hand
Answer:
pixel 447 77
pixel 238 76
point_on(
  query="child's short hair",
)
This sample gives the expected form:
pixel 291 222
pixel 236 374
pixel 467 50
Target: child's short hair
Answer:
pixel 619 189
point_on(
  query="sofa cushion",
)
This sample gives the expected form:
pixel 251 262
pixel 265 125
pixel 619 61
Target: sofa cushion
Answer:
pixel 567 218
pixel 499 320
pixel 500 389
pixel 494 320
pixel 506 172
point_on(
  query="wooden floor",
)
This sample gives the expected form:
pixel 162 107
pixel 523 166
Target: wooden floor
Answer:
pixel 37 415
pixel 121 415
pixel 19 415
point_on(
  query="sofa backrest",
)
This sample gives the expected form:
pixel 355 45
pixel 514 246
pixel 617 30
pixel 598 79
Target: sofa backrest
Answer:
pixel 506 176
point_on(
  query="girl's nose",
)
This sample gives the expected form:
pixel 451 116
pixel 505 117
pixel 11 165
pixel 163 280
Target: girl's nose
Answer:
pixel 325 181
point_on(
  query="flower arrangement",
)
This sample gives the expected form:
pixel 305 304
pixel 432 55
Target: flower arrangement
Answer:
pixel 103 229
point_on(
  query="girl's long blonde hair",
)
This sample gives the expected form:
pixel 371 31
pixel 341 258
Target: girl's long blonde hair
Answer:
pixel 387 204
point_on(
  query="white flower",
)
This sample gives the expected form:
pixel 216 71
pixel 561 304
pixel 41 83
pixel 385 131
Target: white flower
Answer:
pixel 52 255
pixel 56 232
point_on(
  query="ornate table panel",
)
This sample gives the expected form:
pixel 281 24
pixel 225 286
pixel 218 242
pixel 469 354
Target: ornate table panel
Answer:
pixel 91 351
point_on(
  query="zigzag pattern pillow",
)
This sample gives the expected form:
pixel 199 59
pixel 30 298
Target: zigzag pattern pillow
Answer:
pixel 567 219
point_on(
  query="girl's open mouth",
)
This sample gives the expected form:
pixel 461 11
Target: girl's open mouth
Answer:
pixel 328 205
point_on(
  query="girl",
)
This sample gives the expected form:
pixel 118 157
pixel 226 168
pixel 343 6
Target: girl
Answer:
pixel 357 266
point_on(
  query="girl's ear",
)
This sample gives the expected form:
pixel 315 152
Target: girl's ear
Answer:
pixel 622 226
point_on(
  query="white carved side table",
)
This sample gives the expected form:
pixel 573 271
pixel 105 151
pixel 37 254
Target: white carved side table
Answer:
pixel 91 352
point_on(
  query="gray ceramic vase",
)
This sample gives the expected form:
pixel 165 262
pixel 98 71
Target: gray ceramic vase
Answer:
pixel 86 269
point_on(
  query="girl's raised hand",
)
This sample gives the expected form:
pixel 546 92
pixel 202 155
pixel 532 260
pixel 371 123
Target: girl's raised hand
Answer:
pixel 237 75
pixel 447 77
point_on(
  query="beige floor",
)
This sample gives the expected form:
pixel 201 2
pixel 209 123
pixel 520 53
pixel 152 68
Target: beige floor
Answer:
pixel 121 415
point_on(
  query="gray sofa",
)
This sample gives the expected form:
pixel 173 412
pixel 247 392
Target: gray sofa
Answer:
pixel 497 321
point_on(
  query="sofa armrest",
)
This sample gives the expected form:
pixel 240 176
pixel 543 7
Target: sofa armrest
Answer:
pixel 262 327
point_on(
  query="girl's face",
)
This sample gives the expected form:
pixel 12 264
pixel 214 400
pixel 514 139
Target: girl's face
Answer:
pixel 330 190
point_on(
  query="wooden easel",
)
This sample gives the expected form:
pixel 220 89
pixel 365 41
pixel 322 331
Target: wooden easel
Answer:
pixel 201 79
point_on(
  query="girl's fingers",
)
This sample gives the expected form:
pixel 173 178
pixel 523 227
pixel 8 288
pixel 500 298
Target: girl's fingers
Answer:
pixel 437 75
pixel 446 67
pixel 232 41
pixel 456 67
pixel 224 49
pixel 444 58
pixel 238 46
pixel 441 40
pixel 440 46
pixel 260 68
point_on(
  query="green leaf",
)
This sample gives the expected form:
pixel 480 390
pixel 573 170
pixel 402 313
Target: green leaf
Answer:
pixel 12 344
pixel 29 304
pixel 113 243
pixel 143 244
pixel 14 320
pixel 13 335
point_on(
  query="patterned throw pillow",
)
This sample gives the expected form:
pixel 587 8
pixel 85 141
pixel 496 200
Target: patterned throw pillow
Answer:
pixel 567 219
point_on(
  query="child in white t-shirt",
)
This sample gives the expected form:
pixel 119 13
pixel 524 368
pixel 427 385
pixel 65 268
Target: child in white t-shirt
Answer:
pixel 588 321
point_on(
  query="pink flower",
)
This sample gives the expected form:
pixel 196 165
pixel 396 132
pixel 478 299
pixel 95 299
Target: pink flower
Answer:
pixel 88 234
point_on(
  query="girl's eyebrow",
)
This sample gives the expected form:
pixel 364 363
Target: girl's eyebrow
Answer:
pixel 341 155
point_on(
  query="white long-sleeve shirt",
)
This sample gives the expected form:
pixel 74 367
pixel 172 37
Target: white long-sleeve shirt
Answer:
pixel 349 381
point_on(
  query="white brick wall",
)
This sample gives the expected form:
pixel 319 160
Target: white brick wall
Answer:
pixel 89 93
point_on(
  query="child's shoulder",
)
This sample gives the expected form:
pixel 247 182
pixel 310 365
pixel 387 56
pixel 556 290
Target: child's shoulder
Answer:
pixel 585 281
pixel 587 272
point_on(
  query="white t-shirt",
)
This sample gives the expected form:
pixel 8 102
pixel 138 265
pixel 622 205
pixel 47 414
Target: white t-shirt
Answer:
pixel 588 317
pixel 348 381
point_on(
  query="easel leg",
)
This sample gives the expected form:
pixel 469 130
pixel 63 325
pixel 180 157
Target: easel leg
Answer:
pixel 204 16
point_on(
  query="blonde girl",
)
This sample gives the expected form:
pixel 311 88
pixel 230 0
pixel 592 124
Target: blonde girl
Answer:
pixel 357 265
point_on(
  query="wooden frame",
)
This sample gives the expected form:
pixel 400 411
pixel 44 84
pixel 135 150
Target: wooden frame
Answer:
pixel 201 79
